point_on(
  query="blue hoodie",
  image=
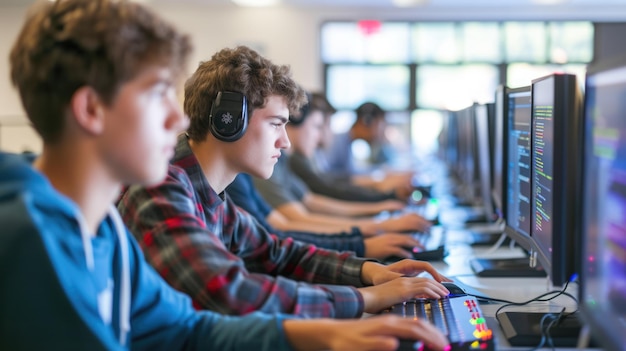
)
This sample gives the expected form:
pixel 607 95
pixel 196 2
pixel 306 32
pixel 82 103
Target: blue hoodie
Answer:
pixel 63 289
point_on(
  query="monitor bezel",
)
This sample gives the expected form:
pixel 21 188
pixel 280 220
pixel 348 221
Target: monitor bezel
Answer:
pixel 483 160
pixel 500 139
pixel 522 239
pixel 597 323
pixel 560 263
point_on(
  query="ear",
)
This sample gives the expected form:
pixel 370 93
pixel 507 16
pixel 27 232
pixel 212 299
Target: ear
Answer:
pixel 88 110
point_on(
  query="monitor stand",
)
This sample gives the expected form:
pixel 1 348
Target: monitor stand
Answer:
pixel 506 267
pixel 525 329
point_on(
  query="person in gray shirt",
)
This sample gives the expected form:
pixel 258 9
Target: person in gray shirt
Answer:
pixel 290 196
pixel 303 164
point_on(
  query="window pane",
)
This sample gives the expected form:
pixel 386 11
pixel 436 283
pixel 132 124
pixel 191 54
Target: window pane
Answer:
pixel 435 42
pixel 351 85
pixel 338 43
pixel 425 128
pixel 398 133
pixel 525 41
pixel 481 42
pixel 455 87
pixel 571 42
pixel 365 41
pixel 522 74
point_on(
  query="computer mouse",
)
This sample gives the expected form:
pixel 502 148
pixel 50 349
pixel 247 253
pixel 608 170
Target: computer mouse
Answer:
pixel 435 221
pixel 413 345
pixel 454 289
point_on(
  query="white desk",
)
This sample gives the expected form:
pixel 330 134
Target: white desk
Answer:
pixel 456 265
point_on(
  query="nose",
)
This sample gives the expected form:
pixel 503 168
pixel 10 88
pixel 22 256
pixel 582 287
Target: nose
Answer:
pixel 283 139
pixel 176 119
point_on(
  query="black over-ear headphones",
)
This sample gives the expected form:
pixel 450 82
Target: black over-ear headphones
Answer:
pixel 303 113
pixel 228 119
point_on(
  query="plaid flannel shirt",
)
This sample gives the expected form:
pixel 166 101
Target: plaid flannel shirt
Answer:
pixel 201 243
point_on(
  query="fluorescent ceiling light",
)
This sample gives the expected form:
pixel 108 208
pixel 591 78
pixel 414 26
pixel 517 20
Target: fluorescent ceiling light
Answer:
pixel 256 3
pixel 549 2
pixel 409 3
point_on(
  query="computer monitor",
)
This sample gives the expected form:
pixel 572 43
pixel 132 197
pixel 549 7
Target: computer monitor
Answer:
pixel 498 148
pixel 467 155
pixel 448 140
pixel 517 122
pixel 555 186
pixel 483 159
pixel 603 271
pixel 556 172
pixel 515 173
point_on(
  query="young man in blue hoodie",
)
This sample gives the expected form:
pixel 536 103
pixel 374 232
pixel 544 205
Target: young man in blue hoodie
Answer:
pixel 96 78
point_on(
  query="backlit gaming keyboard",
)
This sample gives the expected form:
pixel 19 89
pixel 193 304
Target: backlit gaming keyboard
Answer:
pixel 459 318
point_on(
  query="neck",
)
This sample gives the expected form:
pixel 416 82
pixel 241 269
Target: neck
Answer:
pixel 214 164
pixel 82 178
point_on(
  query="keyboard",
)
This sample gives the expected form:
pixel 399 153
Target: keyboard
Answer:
pixel 459 318
pixel 428 210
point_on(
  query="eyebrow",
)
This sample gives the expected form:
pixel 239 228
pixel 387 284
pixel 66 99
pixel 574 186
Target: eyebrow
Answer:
pixel 282 119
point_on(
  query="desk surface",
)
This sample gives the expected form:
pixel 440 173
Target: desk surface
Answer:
pixel 456 266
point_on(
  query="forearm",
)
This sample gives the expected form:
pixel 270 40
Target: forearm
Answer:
pixel 263 332
pixel 287 224
pixel 368 226
pixel 309 335
pixel 331 206
pixel 320 222
pixel 339 242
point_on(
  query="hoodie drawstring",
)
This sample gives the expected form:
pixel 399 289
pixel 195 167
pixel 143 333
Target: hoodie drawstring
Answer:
pixel 120 230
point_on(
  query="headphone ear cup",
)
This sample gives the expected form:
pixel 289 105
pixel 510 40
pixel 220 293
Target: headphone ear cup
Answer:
pixel 304 111
pixel 228 119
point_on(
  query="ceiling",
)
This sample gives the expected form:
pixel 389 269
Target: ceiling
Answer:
pixel 370 3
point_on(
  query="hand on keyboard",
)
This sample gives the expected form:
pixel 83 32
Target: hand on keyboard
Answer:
pixel 373 273
pixel 385 245
pixel 378 297
pixel 383 332
pixel 406 222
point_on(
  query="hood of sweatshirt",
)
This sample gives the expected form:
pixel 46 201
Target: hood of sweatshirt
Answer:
pixel 23 186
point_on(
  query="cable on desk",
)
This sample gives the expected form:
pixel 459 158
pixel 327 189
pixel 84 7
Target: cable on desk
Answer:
pixel 554 318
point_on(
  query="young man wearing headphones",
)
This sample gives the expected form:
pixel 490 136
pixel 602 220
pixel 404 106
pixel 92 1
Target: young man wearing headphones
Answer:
pixel 204 245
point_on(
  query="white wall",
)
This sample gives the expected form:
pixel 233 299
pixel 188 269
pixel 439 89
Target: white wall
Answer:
pixel 285 35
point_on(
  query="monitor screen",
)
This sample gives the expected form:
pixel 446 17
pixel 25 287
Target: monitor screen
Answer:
pixel 481 123
pixel 498 148
pixel 603 272
pixel 449 140
pixel 467 153
pixel 518 122
pixel 556 146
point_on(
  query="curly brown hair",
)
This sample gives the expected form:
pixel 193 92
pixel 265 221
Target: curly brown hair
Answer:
pixel 69 44
pixel 242 70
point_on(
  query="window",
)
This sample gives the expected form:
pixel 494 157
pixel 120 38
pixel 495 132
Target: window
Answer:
pixel 454 87
pixel 365 41
pixel 435 42
pixel 348 86
pixel 414 69
pixel 525 42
